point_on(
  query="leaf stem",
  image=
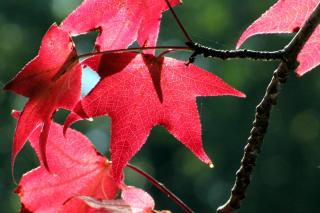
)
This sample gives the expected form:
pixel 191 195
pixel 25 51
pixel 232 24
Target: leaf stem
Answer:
pixel 263 111
pixel 173 48
pixel 162 188
pixel 197 49
pixel 165 52
pixel 185 33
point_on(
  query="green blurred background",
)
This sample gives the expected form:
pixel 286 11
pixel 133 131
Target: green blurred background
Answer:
pixel 286 178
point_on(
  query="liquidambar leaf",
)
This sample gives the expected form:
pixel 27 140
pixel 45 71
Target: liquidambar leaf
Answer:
pixel 287 16
pixel 76 170
pixel 43 82
pixel 120 22
pixel 140 91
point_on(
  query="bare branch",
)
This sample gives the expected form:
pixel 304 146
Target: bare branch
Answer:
pixel 263 110
pixel 228 54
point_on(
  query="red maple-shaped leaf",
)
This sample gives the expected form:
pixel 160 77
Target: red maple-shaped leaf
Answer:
pixel 140 91
pixel 76 170
pixel 47 91
pixel 287 16
pixel 120 22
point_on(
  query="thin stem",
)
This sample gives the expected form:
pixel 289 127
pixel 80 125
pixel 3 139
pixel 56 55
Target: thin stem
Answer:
pixel 191 46
pixel 74 60
pixel 162 188
pixel 173 48
pixel 263 111
pixel 165 52
pixel 200 49
pixel 179 22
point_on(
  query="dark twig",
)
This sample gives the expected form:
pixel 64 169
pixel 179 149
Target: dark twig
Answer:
pixel 200 49
pixel 228 54
pixel 162 188
pixel 263 110
pixel 185 33
pixel 171 48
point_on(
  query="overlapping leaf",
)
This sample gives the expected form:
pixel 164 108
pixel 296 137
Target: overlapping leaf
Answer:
pixel 140 91
pixel 137 91
pixel 132 200
pixel 120 22
pixel 41 80
pixel 80 179
pixel 287 16
pixel 76 170
pixel 139 200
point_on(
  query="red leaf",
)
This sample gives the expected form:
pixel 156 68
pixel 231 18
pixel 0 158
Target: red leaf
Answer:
pixel 287 16
pixel 120 22
pixel 43 82
pixel 78 171
pixel 106 206
pixel 139 200
pixel 140 91
pixel 133 200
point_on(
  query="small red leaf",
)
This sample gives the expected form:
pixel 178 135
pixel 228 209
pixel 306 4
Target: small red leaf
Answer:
pixel 139 200
pixel 108 206
pixel 78 171
pixel 51 81
pixel 133 200
pixel 287 16
pixel 120 22
pixel 140 91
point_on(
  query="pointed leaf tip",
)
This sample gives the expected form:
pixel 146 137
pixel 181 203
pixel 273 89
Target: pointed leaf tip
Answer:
pixel 288 17
pixel 239 94
pixel 15 114
pixel 72 118
pixel 76 115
